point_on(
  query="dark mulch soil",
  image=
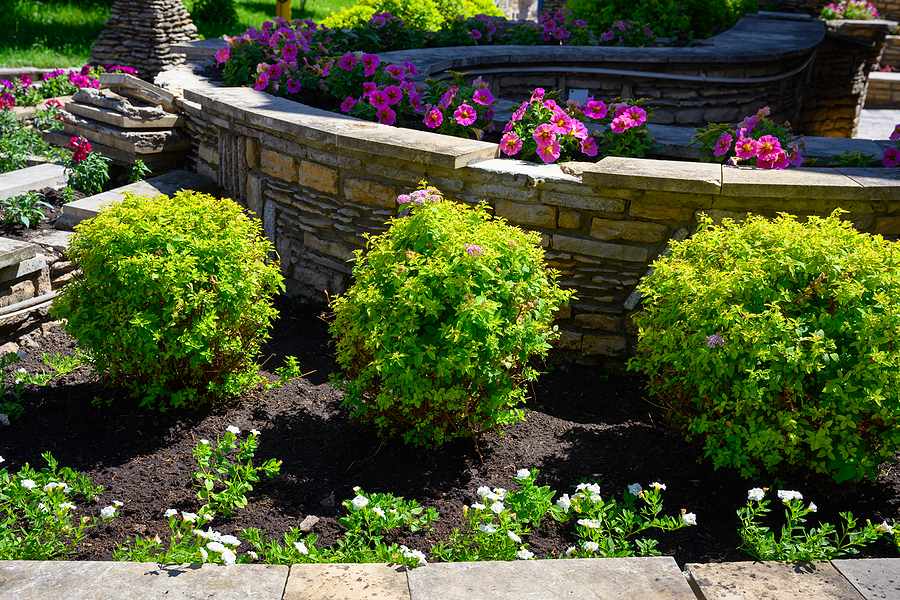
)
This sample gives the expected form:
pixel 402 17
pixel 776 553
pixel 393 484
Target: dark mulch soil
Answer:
pixel 55 199
pixel 581 424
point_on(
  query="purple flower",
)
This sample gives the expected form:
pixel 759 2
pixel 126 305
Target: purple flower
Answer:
pixel 715 340
pixel 289 52
pixel 223 55
pixel 293 86
pixel 475 34
pixel 348 103
pixel 723 145
pixel 483 97
pixel 473 250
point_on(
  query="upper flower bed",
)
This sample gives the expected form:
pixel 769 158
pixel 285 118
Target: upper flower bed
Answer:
pixel 25 92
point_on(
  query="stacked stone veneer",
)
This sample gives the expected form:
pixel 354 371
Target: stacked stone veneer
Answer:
pixel 320 182
pixel 139 34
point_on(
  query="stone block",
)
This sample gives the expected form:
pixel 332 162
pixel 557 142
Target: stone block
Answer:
pixel 633 231
pixel 878 184
pixel 603 345
pixel 819 183
pixel 564 312
pixel 656 578
pixel 15 183
pixel 254 194
pixel 327 247
pixel 23 268
pixel 874 578
pixel 96 580
pixel 598 203
pixel 568 340
pixel 208 154
pixel 537 215
pixel 488 190
pixel 596 321
pixel 565 243
pixel 771 580
pixel 651 209
pixel 278 165
pixel 13 252
pixel 252 150
pixel 569 219
pixel 365 191
pixel 660 175
pixel 110 117
pixel 334 160
pixel 887 225
pixel 347 582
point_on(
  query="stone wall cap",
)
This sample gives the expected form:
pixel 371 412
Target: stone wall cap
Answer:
pixel 537 172
pixel 879 184
pixel 821 183
pixel 652 174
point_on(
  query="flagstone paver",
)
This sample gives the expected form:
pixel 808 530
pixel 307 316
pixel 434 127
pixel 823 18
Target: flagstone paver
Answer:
pixel 32 178
pixel 347 582
pixel 771 581
pixel 874 578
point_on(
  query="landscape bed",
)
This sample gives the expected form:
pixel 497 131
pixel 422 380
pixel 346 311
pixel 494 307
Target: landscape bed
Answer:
pixel 580 427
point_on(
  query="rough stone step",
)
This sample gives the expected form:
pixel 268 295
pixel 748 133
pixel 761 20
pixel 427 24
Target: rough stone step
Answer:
pixel 771 581
pixel 156 161
pixel 111 117
pixel 138 89
pixel 51 580
pixel 13 252
pixel 168 184
pixel 647 578
pixel 32 178
pixel 140 142
pixel 874 578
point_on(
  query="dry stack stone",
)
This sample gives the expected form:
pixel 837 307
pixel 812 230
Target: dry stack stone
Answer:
pixel 139 34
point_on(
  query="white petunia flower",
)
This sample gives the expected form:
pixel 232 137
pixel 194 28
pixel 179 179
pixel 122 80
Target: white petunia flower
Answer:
pixel 301 547
pixel 658 486
pixel 189 516
pixel 514 537
pixel 590 523
pixel 356 489
pixel 571 550
pixel 788 495
pixel 232 429
pixel 107 512
pixel 524 554
pixel 477 506
pixel 813 507
pixel 359 502
pixel 255 432
pixel 29 484
pixel 591 546
pixel 208 517
pixel 501 493
pixel 116 503
pixel 564 502
pixel 497 507
pixel 43 507
pixel 252 554
pixel 4 419
pixel 378 512
pixel 203 555
pixel 635 489
pixel 756 494
pixel 171 513
pixel 884 528
pixel 487 528
pixel 228 556
pixel 67 506
pixel 53 485
pixel 689 518
pixel 216 546
pixel 229 540
pixel 414 554
pixel 523 474
pixel 204 442
pixel 483 491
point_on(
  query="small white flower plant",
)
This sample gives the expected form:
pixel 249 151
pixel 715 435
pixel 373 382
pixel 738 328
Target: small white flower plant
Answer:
pixel 13 383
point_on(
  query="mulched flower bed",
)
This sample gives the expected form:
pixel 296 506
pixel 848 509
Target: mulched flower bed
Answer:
pixel 582 425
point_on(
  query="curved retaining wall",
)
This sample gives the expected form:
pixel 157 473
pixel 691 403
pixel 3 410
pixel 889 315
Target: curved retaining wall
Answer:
pixel 321 181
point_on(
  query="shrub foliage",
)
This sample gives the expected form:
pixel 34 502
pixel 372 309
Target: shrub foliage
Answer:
pixel 775 342
pixel 174 296
pixel 446 309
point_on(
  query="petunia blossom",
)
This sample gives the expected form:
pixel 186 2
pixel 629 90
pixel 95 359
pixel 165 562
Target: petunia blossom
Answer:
pixel 589 146
pixel 348 103
pixel 348 61
pixel 723 145
pixel 595 109
pixel 891 157
pixel 378 99
pixel 433 118
pixel 386 116
pixel 550 152
pixel 483 97
pixel 370 62
pixel 746 148
pixel 895 135
pixel 465 115
pixel 510 144
pixel 544 134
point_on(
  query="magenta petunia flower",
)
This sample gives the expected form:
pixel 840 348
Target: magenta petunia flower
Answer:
pixel 747 125
pixel 537 95
pixel 510 144
pixel 394 71
pixel 578 130
pixel 562 122
pixel 370 62
pixel 746 148
pixel 410 68
pixel 289 52
pixel 275 72
pixel 480 84
pixel 347 62
pixel 483 97
pixel 465 115
pixel 261 82
pixel 891 157
pixel 895 135
pixel 348 103
pixel 415 101
pixel 723 145
pixel 768 148
pixel 433 118
pixel 293 86
pixel 475 34
pixel 544 134
pixel 223 55
pixel 378 99
pixel 595 109
pixel 448 97
pixel 368 88
pixel 386 116
pixel 607 36
pixel 378 20
pixel 589 146
pixel 795 158
pixel 621 123
pixel 549 153
pixel 636 114
pixel 394 94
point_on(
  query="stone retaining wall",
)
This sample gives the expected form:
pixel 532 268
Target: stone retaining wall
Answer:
pixel 321 181
pixel 891 55
pixel 884 90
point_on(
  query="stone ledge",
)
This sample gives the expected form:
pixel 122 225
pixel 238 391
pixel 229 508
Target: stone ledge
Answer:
pixel 807 183
pixel 32 178
pixel 658 175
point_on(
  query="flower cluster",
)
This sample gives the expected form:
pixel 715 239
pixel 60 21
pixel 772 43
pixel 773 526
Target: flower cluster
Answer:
pixel 774 146
pixel 554 29
pixel 420 197
pixel 462 31
pixel 80 148
pixel 891 156
pixel 453 108
pixel 714 340
pixel 627 33
pixel 851 10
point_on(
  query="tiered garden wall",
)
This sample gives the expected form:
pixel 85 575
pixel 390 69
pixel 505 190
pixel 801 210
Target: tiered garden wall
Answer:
pixel 321 181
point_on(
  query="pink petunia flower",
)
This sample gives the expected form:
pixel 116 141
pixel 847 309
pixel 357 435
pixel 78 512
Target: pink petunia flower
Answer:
pixel 595 109
pixel 483 97
pixel 261 82
pixel 747 125
pixel 368 88
pixel 415 101
pixel 795 158
pixel 475 34
pixel 289 52
pixel 589 146
pixel 636 114
pixel 562 122
pixel 394 94
pixel 618 108
pixel 606 36
pixel 510 144
pixel 370 62
pixel 448 97
pixel 465 115
pixel 347 62
pixel 386 116
pixel 394 71
pixel 723 145
pixel 538 95
pixel 480 84
pixel 578 130
pixel 293 86
pixel 891 157
pixel 433 118
pixel 223 55
pixel 549 153
pixel 378 99
pixel 544 134
pixel 896 133
pixel 621 123
pixel 410 68
pixel 768 148
pixel 348 103
pixel 746 148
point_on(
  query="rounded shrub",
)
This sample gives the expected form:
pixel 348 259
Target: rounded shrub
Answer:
pixel 776 343
pixel 426 15
pixel 174 296
pixel 446 309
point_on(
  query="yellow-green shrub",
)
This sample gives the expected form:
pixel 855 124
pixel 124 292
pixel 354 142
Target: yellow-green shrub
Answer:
pixel 427 15
pixel 174 296
pixel 775 342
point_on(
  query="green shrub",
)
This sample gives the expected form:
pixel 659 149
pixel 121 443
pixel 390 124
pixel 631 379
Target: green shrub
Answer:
pixel 446 309
pixel 427 15
pixel 174 297
pixel 775 342
pixel 665 17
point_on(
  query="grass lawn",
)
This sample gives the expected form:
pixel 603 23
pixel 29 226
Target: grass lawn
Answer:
pixel 59 33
